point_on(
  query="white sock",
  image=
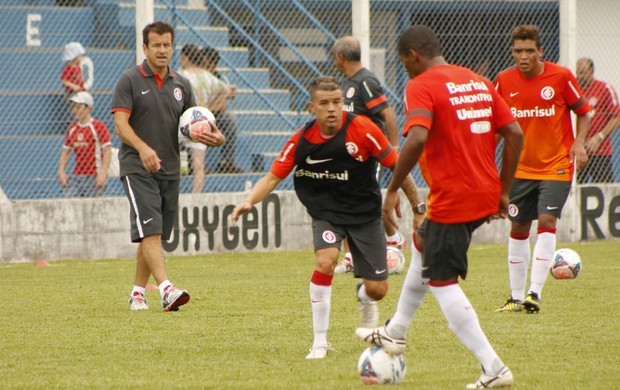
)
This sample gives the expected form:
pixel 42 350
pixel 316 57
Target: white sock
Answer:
pixel 463 321
pixel 518 262
pixel 541 261
pixel 163 286
pixel 320 298
pixel 361 294
pixel 393 238
pixel 412 294
pixel 141 290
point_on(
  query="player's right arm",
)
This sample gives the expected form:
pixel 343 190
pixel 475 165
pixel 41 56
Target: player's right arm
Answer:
pixel 261 189
pixel 148 156
pixel 280 169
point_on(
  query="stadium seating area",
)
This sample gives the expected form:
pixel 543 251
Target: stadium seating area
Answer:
pixel 35 116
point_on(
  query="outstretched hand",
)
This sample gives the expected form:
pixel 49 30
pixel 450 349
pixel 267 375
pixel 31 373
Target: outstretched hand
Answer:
pixel 241 208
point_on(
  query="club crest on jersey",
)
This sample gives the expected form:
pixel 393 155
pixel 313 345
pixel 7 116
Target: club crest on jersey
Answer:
pixel 513 210
pixel 329 236
pixel 178 94
pixel 547 93
pixel 353 151
pixel 350 92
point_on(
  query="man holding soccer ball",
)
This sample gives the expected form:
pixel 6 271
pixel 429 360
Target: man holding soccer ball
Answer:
pixel 148 101
pixel 334 157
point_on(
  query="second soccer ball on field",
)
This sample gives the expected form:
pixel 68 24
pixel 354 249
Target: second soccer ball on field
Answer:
pixel 395 260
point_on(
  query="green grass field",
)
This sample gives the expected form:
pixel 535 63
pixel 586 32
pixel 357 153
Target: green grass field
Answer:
pixel 248 325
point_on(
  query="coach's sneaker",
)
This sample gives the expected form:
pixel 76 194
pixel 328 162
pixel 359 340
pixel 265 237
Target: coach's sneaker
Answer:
pixel 532 303
pixel 319 352
pixel 379 336
pixel 400 243
pixel 503 379
pixel 346 265
pixel 137 301
pixel 173 298
pixel 511 305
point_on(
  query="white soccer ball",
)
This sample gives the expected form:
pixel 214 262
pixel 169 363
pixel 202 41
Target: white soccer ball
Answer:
pixel 377 367
pixel 566 264
pixel 395 260
pixel 195 121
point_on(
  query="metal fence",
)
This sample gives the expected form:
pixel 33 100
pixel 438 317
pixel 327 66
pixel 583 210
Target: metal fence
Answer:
pixel 270 50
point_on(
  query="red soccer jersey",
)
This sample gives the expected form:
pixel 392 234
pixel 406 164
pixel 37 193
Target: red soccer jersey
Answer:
pixel 542 105
pixel 461 111
pixel 72 74
pixel 364 140
pixel 87 141
pixel 604 101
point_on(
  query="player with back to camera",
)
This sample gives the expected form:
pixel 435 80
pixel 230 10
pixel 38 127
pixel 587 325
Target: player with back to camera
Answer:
pixel 542 95
pixel 605 119
pixel 454 120
pixel 148 101
pixel 334 159
pixel 364 95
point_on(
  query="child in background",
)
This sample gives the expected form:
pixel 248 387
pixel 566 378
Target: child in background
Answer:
pixel 89 139
pixel 78 72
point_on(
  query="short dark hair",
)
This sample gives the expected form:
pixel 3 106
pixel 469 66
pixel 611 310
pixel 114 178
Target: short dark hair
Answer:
pixel 421 39
pixel 210 54
pixel 324 83
pixel 192 52
pixel 349 47
pixel 588 61
pixel 158 27
pixel 526 32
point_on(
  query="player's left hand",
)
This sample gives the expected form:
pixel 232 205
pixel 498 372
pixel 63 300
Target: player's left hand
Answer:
pixel 578 151
pixel 391 204
pixel 101 180
pixel 213 138
pixel 502 212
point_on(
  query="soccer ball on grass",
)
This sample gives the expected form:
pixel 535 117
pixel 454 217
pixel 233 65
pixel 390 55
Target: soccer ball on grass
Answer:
pixel 395 260
pixel 377 367
pixel 195 121
pixel 566 264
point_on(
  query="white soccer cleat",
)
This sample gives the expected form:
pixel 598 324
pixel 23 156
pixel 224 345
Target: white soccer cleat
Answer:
pixel 137 302
pixel 401 243
pixel 503 379
pixel 346 265
pixel 319 352
pixel 379 336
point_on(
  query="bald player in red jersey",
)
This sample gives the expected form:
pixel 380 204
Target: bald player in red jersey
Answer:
pixel 541 96
pixel 334 161
pixel 605 119
pixel 454 118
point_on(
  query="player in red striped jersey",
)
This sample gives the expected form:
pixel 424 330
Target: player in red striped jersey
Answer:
pixel 605 118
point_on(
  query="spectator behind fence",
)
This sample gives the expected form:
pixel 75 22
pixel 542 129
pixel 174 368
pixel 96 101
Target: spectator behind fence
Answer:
pixel 78 72
pixel 225 120
pixel 203 84
pixel 605 118
pixel 89 139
